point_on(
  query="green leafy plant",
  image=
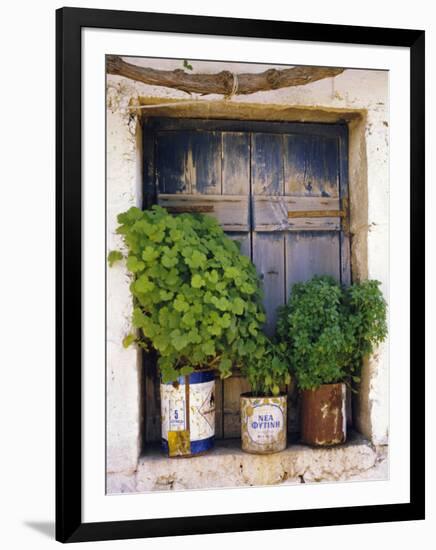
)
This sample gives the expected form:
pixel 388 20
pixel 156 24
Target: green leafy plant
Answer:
pixel 197 299
pixel 267 369
pixel 365 312
pixel 311 327
pixel 328 329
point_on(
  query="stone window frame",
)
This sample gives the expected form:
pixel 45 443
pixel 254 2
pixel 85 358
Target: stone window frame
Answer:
pixel 368 151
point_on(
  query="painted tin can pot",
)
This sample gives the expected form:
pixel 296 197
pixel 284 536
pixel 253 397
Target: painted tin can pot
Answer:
pixel 323 415
pixel 263 423
pixel 188 414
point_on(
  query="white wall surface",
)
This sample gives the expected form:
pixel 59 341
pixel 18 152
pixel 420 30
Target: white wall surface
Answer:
pixel 27 278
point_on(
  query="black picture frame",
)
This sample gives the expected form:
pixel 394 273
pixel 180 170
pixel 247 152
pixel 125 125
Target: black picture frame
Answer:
pixel 69 525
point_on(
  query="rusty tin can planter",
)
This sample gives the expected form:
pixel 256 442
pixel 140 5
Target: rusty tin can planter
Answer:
pixel 323 415
pixel 263 423
pixel 188 414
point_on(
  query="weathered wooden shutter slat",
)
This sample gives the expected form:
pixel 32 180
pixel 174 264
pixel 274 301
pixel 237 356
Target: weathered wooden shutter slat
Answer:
pixel 203 163
pixel 269 259
pixel 236 182
pixel 268 248
pixel 277 213
pixel 236 163
pixel 267 164
pixel 311 253
pixel 344 192
pixel 231 211
pixel 311 165
pixel 171 153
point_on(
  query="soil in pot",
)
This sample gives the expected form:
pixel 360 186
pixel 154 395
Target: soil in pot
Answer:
pixel 263 423
pixel 323 415
pixel 188 414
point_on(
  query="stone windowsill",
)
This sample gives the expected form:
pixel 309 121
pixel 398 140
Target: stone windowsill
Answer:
pixel 228 466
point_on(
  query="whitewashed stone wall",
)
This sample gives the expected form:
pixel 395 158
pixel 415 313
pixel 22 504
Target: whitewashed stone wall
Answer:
pixel 360 97
pixel 124 177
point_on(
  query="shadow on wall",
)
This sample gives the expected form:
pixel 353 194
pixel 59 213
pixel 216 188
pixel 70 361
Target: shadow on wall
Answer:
pixel 46 528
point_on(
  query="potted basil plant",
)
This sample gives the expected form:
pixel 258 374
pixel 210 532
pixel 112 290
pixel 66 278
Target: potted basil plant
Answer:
pixel 264 409
pixel 196 301
pixel 328 330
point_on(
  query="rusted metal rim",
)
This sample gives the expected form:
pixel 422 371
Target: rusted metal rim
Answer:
pixel 249 395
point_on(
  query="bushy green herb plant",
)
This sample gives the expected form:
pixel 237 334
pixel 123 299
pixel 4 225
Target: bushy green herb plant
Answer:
pixel 197 299
pixel 328 329
pixel 365 319
pixel 267 370
pixel 311 327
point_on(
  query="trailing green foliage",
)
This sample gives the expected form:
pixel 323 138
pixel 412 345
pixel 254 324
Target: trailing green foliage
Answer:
pixel 267 370
pixel 328 329
pixel 197 299
pixel 365 310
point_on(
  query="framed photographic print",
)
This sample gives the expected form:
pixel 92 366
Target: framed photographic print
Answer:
pixel 240 274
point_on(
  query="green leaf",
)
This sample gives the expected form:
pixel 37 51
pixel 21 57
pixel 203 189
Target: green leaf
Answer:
pixel 114 256
pixel 186 370
pixel 253 328
pixel 238 306
pixel 232 273
pixel 143 284
pixel 194 337
pixel 169 260
pixel 225 367
pixel 130 216
pixel 225 321
pixel 169 373
pixel 180 342
pixel 180 304
pixel 212 276
pixel 166 295
pixel 128 340
pixel 197 260
pixel 150 254
pixel 138 318
pixel 134 265
pixel 197 281
pixel 176 235
pixel 208 348
pixel 216 330
pixel 188 319
pixel 222 304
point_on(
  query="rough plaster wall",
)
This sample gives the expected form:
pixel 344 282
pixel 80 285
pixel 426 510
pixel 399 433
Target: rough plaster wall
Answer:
pixel 124 176
pixel 373 401
pixel 359 97
pixel 378 265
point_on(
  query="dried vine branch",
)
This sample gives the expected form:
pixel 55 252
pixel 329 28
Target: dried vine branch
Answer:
pixel 224 82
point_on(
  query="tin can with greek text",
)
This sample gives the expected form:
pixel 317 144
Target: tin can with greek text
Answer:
pixel 263 423
pixel 188 414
